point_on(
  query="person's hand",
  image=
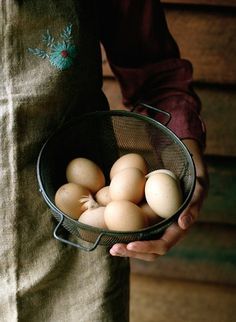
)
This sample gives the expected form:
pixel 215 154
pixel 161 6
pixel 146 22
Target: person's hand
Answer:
pixel 150 250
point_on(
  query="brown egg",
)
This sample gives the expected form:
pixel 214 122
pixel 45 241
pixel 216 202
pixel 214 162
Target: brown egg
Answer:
pixel 93 217
pixel 151 217
pixel 129 160
pixel 124 215
pixel 85 172
pixel 103 196
pixel 128 184
pixel 67 199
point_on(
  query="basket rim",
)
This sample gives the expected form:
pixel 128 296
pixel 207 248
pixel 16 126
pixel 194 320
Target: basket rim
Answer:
pixel 144 231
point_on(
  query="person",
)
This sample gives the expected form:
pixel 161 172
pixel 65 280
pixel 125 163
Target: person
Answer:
pixel 51 72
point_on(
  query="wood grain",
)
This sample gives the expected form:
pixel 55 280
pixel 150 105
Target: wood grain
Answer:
pixel 219 114
pixel 157 299
pixel 207 253
pixel 207 39
pixel 220 205
pixel 224 3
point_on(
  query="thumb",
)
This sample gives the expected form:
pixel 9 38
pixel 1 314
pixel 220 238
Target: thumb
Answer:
pixel 188 217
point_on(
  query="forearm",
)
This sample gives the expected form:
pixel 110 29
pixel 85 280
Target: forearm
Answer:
pixel 146 61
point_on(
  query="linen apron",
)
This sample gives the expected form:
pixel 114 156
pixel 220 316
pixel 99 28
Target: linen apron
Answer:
pixel 50 72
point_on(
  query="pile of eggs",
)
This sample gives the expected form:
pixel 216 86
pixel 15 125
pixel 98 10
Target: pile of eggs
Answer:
pixel 134 198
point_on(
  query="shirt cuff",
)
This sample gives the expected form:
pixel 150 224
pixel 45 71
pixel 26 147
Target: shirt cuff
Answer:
pixel 166 85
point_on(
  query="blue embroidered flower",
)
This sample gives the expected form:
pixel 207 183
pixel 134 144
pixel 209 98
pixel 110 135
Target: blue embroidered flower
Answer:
pixel 62 54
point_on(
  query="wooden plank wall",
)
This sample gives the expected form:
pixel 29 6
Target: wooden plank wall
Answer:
pixel 205 31
pixel 207 36
pixel 218 3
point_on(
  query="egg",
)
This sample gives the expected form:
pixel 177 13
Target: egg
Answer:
pixel 124 215
pixel 151 217
pixel 93 217
pixel 103 196
pixel 129 160
pixel 128 184
pixel 86 173
pixel 67 199
pixel 163 194
pixel 170 173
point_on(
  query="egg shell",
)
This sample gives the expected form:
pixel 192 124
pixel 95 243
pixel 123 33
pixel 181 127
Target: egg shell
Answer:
pixel 166 171
pixel 128 184
pixel 93 217
pixel 85 172
pixel 124 215
pixel 67 199
pixel 103 196
pixel 151 217
pixel 129 160
pixel 163 194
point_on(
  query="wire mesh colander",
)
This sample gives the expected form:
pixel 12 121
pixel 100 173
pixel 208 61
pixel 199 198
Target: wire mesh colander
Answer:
pixel 103 137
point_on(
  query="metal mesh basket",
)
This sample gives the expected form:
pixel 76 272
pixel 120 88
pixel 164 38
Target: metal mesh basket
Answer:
pixel 103 137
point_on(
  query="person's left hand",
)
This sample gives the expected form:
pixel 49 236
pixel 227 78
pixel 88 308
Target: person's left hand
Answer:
pixel 150 250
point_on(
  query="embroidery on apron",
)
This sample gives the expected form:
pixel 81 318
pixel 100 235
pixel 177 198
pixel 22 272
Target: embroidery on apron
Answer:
pixel 61 54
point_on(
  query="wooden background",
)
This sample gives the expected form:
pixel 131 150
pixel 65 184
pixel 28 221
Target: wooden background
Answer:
pixel 205 31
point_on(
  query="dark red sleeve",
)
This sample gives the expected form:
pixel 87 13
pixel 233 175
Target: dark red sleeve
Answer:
pixel 146 61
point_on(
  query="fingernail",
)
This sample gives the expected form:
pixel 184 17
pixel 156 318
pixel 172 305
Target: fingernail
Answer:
pixel 131 246
pixel 116 252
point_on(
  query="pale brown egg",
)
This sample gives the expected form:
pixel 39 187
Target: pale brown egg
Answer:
pixel 67 199
pixel 151 217
pixel 128 184
pixel 129 160
pixel 93 217
pixel 124 215
pixel 103 196
pixel 85 172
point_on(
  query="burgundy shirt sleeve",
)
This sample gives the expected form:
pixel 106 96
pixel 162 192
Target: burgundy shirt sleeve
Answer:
pixel 146 61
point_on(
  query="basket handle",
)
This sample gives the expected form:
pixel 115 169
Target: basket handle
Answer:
pixel 155 109
pixel 77 245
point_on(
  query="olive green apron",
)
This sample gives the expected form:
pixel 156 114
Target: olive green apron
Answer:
pixel 50 71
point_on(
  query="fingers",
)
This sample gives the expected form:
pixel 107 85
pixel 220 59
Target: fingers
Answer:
pixel 150 250
pixel 186 220
pixel 123 251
